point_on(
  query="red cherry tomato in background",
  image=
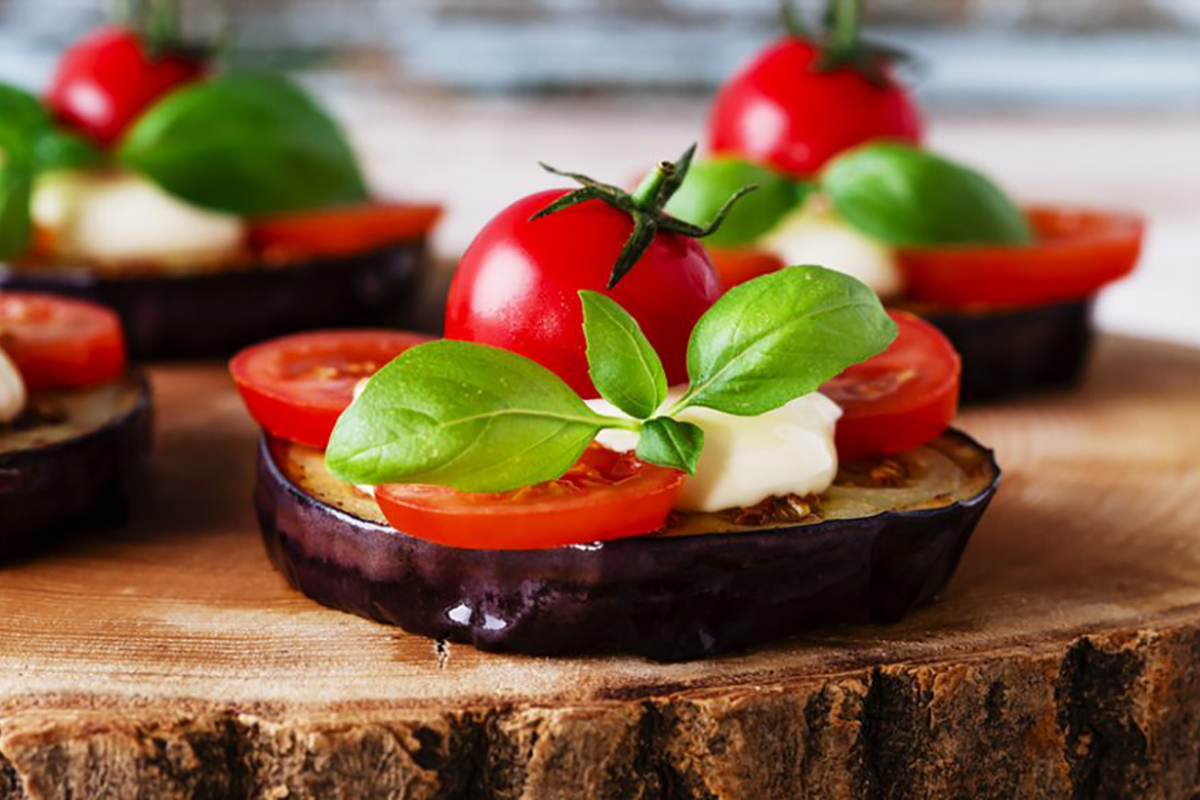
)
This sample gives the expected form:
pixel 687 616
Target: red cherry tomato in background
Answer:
pixel 58 343
pixel 606 495
pixel 901 398
pixel 780 110
pixel 342 230
pixel 517 286
pixel 107 79
pixel 297 386
pixel 736 265
pixel 1076 253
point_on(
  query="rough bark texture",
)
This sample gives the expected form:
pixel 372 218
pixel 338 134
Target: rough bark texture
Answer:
pixel 1114 715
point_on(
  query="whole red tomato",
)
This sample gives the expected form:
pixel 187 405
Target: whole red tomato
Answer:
pixel 782 110
pixel 517 285
pixel 107 79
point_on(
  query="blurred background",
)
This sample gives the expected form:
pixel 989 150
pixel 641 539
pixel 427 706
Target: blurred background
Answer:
pixel 1092 101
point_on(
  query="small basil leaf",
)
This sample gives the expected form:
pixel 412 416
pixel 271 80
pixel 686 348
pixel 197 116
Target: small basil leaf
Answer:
pixel 57 149
pixel 465 415
pixel 16 229
pixel 671 443
pixel 245 144
pixel 780 336
pixel 909 197
pixel 709 184
pixel 621 361
pixel 21 116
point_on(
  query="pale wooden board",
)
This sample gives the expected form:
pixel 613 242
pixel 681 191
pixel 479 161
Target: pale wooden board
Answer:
pixel 170 656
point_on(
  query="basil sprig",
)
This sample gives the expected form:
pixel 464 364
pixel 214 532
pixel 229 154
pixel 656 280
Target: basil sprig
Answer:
pixel 245 144
pixel 30 144
pixel 481 419
pixel 906 196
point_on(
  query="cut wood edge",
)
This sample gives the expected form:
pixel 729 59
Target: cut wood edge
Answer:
pixel 1112 714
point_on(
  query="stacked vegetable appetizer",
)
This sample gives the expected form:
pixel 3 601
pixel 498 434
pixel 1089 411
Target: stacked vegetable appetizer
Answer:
pixel 74 420
pixel 821 124
pixel 607 453
pixel 209 209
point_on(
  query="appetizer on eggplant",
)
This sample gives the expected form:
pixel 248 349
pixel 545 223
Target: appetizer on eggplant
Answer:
pixel 618 458
pixel 821 124
pixel 209 209
pixel 74 421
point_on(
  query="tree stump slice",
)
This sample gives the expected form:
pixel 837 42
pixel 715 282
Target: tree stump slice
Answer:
pixel 169 660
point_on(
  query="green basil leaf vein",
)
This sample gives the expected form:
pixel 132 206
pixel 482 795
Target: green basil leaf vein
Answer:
pixel 671 443
pixel 469 416
pixel 621 361
pixel 780 336
pixel 245 144
pixel 906 196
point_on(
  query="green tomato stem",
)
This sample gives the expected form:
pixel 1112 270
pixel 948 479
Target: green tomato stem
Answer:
pixel 844 27
pixel 645 196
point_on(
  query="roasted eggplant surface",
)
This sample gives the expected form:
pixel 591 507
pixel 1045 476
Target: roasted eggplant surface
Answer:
pixel 1016 351
pixel 884 539
pixel 213 313
pixel 69 461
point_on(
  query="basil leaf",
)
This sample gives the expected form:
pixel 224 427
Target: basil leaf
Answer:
pixel 465 415
pixel 671 443
pixel 56 149
pixel 621 361
pixel 21 117
pixel 906 196
pixel 245 144
pixel 709 184
pixel 780 336
pixel 16 228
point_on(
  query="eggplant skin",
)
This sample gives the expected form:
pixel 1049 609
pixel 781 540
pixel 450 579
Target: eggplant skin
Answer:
pixel 1019 351
pixel 79 483
pixel 666 598
pixel 214 314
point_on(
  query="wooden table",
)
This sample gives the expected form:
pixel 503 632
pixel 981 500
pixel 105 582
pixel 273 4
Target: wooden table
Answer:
pixel 169 659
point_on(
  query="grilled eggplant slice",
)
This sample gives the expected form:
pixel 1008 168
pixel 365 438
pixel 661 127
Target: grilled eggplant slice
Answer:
pixel 215 312
pixel 68 463
pixel 1016 351
pixel 884 539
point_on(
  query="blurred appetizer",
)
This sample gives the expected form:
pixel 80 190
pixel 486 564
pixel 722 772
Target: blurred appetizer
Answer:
pixel 74 420
pixel 609 455
pixel 209 209
pixel 822 126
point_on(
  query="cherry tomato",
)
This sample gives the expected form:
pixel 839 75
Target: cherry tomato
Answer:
pixel 1077 252
pixel 781 111
pixel 901 398
pixel 58 343
pixel 344 230
pixel 107 79
pixel 606 495
pixel 517 286
pixel 736 265
pixel 297 386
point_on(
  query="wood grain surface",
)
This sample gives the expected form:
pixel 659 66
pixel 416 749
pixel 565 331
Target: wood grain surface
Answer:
pixel 168 659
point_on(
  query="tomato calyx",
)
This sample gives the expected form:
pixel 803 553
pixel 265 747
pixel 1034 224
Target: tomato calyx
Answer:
pixel 158 26
pixel 839 44
pixel 644 205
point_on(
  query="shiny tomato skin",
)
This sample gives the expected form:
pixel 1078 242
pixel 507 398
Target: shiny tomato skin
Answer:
pixel 781 111
pixel 606 495
pixel 107 79
pixel 736 265
pixel 1076 253
pixel 342 230
pixel 60 343
pixel 901 398
pixel 517 286
pixel 297 386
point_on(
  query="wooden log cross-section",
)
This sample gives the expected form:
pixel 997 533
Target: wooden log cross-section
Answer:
pixel 170 660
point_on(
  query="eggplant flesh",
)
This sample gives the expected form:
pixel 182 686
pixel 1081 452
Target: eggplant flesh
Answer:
pixel 68 464
pixel 212 313
pixel 1009 352
pixel 884 539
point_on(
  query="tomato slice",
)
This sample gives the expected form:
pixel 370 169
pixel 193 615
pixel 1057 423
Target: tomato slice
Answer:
pixel 59 343
pixel 297 386
pixel 901 398
pixel 736 265
pixel 1077 252
pixel 606 495
pixel 344 230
